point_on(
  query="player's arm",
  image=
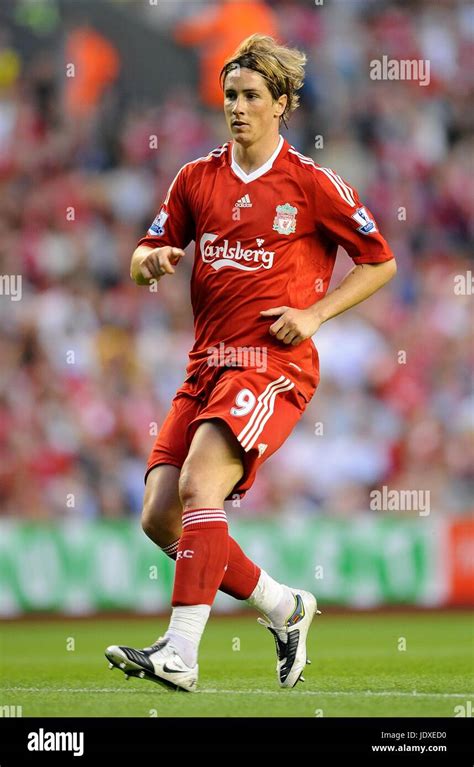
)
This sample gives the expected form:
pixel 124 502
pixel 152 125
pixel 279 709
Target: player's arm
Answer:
pixel 172 230
pixel 360 283
pixel 344 219
pixel 296 325
pixel 149 263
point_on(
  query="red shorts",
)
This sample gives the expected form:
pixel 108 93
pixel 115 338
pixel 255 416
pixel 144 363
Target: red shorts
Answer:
pixel 260 408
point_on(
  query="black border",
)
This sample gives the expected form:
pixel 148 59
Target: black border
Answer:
pixel 221 739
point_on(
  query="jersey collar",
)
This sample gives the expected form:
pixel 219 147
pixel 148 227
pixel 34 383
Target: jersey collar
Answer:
pixel 248 177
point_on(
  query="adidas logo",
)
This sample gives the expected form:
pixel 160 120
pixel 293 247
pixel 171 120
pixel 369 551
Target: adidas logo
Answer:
pixel 261 448
pixel 244 202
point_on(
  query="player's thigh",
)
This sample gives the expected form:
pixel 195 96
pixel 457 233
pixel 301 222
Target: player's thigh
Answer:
pixel 213 465
pixel 260 410
pixel 172 443
pixel 162 508
pixel 161 504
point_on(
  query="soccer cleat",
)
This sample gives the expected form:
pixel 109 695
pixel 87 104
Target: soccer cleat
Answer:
pixel 159 663
pixel 290 639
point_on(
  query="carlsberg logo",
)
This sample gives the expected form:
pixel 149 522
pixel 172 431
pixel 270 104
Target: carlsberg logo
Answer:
pixel 247 259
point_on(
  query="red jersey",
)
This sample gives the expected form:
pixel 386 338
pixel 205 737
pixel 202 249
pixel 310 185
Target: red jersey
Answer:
pixel 263 239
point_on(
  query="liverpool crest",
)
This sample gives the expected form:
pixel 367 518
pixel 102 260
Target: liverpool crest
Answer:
pixel 285 219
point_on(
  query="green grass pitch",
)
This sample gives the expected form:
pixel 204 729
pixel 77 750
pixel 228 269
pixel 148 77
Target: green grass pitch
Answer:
pixel 359 668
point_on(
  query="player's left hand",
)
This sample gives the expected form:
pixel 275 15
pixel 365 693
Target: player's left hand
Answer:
pixel 293 325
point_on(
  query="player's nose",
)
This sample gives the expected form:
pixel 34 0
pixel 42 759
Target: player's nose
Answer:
pixel 237 109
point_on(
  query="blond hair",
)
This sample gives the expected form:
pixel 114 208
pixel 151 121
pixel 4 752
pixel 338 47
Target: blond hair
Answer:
pixel 282 68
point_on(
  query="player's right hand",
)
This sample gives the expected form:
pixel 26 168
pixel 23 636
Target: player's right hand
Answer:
pixel 159 261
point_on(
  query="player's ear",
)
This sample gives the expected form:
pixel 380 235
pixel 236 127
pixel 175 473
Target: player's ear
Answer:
pixel 280 105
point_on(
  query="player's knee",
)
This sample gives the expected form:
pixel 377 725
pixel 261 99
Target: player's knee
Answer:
pixel 149 522
pixel 188 486
pixel 158 523
pixel 199 486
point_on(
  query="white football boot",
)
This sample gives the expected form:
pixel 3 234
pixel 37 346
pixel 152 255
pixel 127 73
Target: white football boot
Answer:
pixel 159 663
pixel 290 639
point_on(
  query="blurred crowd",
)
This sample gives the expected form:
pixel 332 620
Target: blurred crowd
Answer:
pixel 90 362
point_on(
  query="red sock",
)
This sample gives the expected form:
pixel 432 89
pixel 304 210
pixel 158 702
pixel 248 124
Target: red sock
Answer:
pixel 202 557
pixel 241 575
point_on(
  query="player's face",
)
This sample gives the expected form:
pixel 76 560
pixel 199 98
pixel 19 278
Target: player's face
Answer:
pixel 249 108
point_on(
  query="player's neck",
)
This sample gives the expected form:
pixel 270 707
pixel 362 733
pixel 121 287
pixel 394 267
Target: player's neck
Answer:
pixel 251 158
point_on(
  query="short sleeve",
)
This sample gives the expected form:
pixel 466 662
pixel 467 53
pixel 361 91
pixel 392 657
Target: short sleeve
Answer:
pixel 174 224
pixel 342 216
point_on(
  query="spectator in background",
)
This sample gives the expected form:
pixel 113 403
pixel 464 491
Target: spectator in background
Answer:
pixel 96 66
pixel 217 32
